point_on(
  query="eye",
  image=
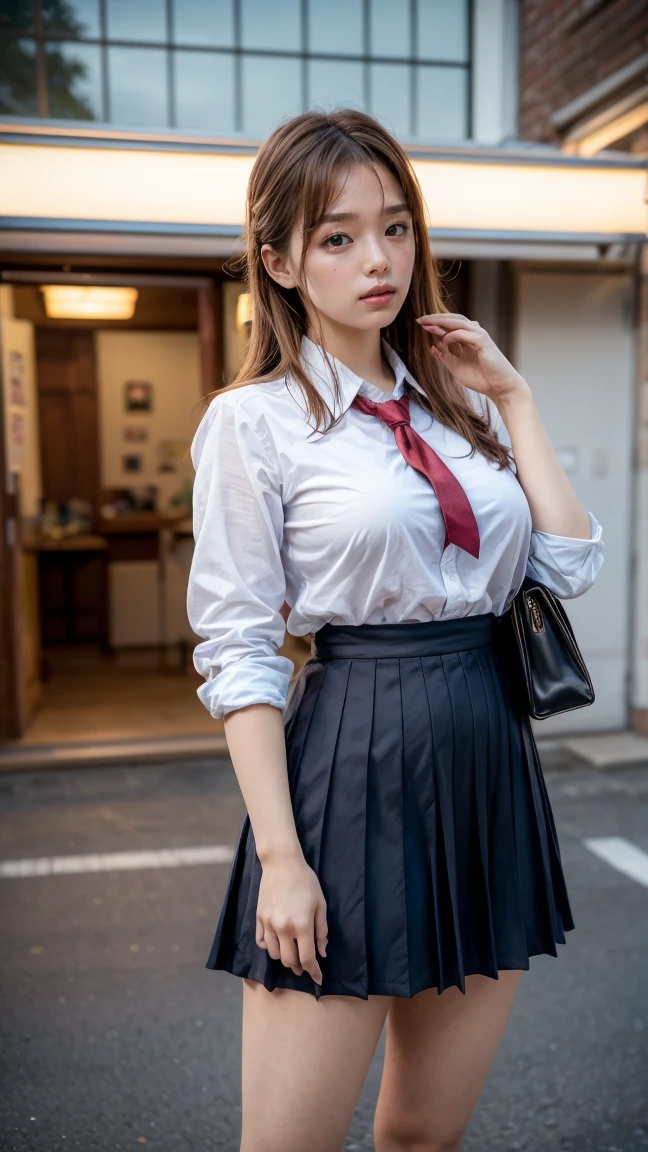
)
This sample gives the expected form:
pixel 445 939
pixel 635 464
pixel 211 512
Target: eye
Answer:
pixel 404 228
pixel 336 240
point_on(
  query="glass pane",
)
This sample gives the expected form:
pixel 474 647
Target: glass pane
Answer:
pixel 442 32
pixel 17 14
pixel 390 96
pixel 204 85
pixel 442 103
pixel 335 27
pixel 271 25
pixel 72 18
pixel 335 84
pixel 137 83
pixel 74 81
pixel 136 19
pixel 203 22
pixel 271 90
pixel 18 78
pixel 389 28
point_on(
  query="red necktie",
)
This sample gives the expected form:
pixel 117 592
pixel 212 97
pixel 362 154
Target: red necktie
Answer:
pixel 458 517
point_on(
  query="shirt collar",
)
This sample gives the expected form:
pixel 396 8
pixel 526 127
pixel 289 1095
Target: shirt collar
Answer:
pixel 319 373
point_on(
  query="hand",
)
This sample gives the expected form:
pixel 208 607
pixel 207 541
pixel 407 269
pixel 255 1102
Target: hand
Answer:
pixel 471 355
pixel 291 916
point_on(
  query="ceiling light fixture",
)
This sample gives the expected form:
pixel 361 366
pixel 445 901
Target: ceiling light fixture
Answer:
pixel 243 311
pixel 76 302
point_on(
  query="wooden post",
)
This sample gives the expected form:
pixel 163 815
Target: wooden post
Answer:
pixel 210 334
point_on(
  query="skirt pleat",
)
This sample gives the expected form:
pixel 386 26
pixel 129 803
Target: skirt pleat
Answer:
pixel 419 802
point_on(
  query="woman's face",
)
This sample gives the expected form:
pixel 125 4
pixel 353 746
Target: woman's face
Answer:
pixel 361 256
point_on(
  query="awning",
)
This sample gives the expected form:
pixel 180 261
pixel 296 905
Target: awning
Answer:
pixel 86 189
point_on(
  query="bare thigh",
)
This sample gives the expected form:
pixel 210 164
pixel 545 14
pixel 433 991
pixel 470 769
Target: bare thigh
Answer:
pixel 304 1064
pixel 438 1053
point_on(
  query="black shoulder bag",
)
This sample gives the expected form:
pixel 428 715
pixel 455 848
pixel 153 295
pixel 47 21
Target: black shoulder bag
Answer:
pixel 545 665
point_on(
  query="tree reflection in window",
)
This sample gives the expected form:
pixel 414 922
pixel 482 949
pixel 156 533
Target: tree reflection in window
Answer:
pixel 18 78
pixel 71 71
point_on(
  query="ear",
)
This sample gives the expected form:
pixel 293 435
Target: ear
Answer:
pixel 277 267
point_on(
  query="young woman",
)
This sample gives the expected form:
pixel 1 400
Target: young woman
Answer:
pixel 379 475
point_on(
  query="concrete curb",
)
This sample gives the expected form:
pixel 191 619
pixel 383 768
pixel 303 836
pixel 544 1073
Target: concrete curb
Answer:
pixel 603 751
pixel 36 757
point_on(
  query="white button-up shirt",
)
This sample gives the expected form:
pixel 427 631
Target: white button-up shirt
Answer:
pixel 343 529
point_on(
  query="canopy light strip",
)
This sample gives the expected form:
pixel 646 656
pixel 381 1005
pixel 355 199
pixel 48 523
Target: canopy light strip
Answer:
pixel 208 189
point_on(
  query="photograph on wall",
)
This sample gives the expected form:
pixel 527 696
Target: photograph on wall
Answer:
pixel 135 435
pixel 17 371
pixel 16 440
pixel 138 396
pixel 132 463
pixel 172 454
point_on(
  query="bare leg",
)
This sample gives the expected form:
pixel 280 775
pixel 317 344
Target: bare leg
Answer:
pixel 304 1064
pixel 438 1054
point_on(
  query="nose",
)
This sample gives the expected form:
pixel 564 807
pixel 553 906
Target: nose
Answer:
pixel 376 258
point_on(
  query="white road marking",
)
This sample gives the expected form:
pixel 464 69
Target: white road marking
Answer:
pixel 622 855
pixel 115 861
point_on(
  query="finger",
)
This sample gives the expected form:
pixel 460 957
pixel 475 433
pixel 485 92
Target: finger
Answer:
pixel 306 945
pixel 259 934
pixel 446 320
pixel 272 941
pixel 289 953
pixel 463 336
pixel 321 927
pixel 445 355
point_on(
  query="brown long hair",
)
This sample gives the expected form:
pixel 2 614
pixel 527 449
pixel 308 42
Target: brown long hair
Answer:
pixel 294 180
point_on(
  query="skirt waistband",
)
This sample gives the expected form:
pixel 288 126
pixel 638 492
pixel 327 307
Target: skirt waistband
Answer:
pixel 412 638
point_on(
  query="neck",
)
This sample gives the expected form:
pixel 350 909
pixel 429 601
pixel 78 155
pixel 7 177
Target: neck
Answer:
pixel 357 349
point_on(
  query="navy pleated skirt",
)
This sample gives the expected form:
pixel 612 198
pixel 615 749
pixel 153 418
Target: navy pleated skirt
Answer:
pixel 420 803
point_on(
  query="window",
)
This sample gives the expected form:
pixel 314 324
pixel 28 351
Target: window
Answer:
pixel 275 25
pixel 137 83
pixel 204 90
pixel 239 66
pixel 143 20
pixel 203 23
pixel 332 83
pixel 73 18
pixel 270 91
pixel 74 81
pixel 18 78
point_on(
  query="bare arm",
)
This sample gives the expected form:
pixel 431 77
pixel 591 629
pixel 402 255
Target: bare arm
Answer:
pixel 554 505
pixel 291 910
pixel 263 779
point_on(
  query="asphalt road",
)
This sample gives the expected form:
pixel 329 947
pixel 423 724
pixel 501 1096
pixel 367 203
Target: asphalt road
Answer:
pixel 116 1036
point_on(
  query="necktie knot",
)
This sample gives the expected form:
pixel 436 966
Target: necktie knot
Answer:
pixel 393 413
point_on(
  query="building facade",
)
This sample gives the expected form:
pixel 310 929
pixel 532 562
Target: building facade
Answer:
pixel 127 133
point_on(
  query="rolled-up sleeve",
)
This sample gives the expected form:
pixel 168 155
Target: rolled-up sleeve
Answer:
pixel 237 584
pixel 568 565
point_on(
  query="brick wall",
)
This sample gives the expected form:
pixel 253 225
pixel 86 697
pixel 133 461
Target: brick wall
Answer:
pixel 566 47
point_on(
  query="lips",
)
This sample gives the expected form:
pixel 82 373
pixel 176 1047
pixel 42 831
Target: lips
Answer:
pixel 379 293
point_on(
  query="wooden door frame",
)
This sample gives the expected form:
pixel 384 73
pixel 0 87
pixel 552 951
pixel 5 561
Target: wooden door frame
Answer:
pixel 9 640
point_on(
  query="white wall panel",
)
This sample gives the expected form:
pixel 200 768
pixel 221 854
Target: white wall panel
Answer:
pixel 574 346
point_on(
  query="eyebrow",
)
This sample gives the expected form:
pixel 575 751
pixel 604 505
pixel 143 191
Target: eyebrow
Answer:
pixel 341 217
